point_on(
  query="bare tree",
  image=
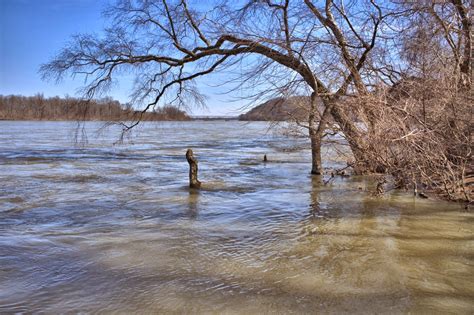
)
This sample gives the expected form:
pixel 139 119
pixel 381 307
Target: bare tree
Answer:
pixel 422 128
pixel 447 26
pixel 323 50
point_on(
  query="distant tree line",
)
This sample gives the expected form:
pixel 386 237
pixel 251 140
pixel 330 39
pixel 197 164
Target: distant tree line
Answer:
pixel 38 107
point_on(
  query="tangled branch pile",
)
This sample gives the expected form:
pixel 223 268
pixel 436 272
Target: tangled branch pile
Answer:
pixel 422 137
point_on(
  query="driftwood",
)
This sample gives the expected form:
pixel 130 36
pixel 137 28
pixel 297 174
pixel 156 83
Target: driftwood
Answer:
pixel 193 170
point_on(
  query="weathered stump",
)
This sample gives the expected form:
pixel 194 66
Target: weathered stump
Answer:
pixel 380 190
pixel 193 170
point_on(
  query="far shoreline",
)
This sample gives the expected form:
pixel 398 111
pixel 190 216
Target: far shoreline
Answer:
pixel 117 121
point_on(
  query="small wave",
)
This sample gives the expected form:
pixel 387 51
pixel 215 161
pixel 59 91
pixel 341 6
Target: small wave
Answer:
pixel 85 178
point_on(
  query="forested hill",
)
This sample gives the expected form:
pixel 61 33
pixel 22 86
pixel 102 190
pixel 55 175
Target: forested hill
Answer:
pixel 280 109
pixel 14 107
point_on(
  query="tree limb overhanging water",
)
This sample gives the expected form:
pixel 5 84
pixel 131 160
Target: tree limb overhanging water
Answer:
pixel 351 56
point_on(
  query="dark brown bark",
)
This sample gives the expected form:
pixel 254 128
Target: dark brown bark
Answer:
pixel 193 170
pixel 316 165
pixel 315 136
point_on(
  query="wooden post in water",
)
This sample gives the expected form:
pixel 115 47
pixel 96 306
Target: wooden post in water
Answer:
pixel 193 170
pixel 380 189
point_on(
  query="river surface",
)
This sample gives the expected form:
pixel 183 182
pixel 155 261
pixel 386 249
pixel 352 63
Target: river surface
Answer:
pixel 98 227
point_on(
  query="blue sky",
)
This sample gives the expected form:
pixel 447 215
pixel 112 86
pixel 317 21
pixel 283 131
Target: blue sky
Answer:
pixel 33 31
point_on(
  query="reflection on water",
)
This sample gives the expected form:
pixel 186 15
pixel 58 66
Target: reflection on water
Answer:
pixel 115 228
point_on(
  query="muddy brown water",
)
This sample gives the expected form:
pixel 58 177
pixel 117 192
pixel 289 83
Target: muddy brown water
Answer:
pixel 104 228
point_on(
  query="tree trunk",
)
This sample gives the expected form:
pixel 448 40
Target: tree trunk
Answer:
pixel 193 170
pixel 315 134
pixel 465 63
pixel 353 137
pixel 316 166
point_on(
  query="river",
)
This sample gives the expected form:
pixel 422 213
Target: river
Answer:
pixel 98 227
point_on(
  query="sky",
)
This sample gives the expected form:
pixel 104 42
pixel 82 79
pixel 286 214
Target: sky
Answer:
pixel 32 32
